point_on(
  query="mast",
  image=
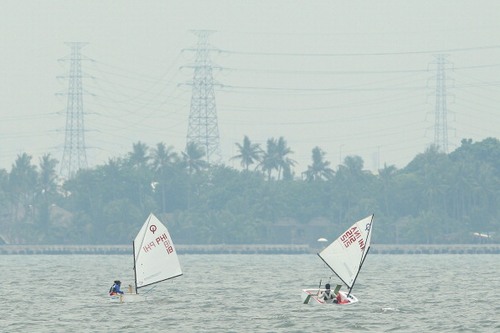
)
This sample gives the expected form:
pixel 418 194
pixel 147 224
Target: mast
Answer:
pixel 359 270
pixel 363 257
pixel 135 271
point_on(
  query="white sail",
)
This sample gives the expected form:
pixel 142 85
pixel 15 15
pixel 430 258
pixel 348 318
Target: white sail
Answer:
pixel 346 254
pixel 155 256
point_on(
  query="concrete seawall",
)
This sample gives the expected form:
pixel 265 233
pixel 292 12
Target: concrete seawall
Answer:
pixel 436 249
pixel 250 249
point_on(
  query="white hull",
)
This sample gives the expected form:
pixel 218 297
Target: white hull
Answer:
pixel 127 298
pixel 310 296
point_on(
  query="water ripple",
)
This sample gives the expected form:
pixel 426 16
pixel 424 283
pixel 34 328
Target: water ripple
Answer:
pixel 251 293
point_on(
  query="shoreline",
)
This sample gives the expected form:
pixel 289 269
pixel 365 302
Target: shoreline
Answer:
pixel 249 249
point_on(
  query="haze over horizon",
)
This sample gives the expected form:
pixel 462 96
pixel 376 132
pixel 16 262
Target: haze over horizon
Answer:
pixel 354 78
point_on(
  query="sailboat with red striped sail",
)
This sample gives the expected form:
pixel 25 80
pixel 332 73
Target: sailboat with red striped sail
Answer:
pixel 345 257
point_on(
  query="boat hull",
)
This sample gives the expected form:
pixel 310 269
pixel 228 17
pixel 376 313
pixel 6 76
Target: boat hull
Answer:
pixel 310 296
pixel 127 298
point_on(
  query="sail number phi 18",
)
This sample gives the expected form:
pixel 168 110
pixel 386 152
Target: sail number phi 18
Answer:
pixel 160 239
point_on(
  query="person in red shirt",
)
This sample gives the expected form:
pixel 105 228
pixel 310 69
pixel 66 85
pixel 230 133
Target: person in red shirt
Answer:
pixel 341 299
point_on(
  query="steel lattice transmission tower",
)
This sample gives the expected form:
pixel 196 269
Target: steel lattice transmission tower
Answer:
pixel 203 127
pixel 441 121
pixel 74 154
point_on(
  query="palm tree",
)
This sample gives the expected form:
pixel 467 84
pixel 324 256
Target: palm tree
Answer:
pixel 22 181
pixel 319 168
pixel 138 163
pixel 350 181
pixel 269 161
pixel 193 158
pixel 284 162
pixel 163 159
pixel 47 187
pixel 386 176
pixel 276 158
pixel 194 162
pixel 139 155
pixel 47 178
pixel 249 153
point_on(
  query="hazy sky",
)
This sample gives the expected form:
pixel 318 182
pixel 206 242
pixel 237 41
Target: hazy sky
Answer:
pixel 352 77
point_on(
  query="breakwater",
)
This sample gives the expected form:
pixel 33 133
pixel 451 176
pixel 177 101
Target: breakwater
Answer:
pixel 181 249
pixel 435 249
pixel 251 249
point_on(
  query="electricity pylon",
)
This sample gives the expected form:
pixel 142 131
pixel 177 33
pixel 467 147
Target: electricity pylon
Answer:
pixel 74 154
pixel 440 110
pixel 203 127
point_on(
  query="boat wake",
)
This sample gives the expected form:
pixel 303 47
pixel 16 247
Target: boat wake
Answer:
pixel 384 310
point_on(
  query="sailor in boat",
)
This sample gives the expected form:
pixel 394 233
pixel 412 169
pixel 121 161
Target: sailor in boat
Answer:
pixel 327 294
pixel 115 288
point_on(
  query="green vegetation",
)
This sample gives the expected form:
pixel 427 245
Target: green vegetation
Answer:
pixel 436 198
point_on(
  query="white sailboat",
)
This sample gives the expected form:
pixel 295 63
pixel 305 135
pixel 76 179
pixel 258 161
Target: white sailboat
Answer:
pixel 345 257
pixel 155 259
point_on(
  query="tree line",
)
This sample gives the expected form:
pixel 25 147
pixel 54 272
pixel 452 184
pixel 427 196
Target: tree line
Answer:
pixel 436 198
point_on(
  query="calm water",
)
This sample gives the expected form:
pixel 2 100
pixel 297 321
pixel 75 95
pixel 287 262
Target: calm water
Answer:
pixel 251 293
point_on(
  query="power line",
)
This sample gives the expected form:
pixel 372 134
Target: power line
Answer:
pixel 292 54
